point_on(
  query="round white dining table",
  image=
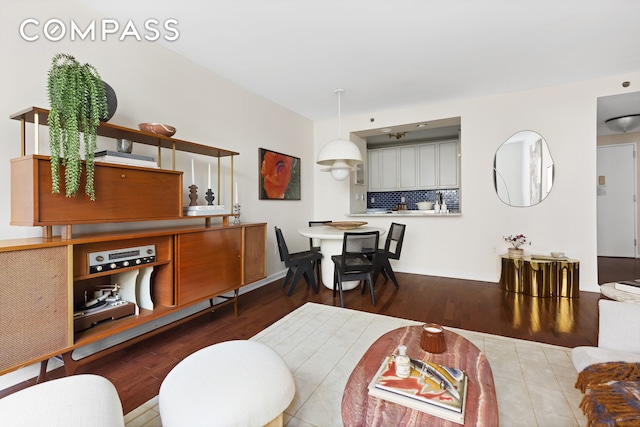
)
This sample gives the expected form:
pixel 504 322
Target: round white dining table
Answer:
pixel 331 244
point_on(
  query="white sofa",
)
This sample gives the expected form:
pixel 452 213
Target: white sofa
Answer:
pixel 618 336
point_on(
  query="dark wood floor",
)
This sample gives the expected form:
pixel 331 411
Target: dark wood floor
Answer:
pixel 612 269
pixel 138 370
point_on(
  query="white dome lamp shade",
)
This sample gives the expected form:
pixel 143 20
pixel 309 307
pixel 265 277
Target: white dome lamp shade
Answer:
pixel 340 155
pixel 624 123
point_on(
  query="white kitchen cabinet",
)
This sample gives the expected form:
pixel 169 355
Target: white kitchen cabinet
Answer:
pixel 389 169
pixel 438 165
pixel 374 170
pixel 448 164
pixel 407 168
pixel 430 165
pixel 392 169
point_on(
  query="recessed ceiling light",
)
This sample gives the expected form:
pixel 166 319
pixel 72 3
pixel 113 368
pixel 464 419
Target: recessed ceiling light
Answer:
pixel 386 130
pixel 422 125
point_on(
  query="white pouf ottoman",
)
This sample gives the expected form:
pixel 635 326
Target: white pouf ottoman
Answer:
pixel 233 383
pixel 77 401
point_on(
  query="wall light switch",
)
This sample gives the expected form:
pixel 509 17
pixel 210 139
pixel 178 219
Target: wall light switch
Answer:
pixel 357 197
pixel 373 200
pixel 402 199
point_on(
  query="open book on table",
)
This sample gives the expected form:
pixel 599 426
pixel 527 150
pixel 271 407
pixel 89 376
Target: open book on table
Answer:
pixel 431 388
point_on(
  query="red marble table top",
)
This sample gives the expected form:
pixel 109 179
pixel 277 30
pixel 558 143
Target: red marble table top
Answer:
pixel 359 409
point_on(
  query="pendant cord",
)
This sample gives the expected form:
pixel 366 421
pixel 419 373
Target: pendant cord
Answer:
pixel 339 116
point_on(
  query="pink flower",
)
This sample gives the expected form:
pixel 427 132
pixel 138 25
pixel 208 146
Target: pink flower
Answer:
pixel 517 240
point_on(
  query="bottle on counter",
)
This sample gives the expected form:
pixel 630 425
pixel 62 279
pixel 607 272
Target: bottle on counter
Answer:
pixel 403 365
pixel 441 204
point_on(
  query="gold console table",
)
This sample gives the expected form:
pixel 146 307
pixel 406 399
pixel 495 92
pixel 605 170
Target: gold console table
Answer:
pixel 541 276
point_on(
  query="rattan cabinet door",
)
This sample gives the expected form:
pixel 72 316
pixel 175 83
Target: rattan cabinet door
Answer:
pixel 34 305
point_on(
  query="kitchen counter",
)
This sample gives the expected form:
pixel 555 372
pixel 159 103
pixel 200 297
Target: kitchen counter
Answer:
pixel 404 214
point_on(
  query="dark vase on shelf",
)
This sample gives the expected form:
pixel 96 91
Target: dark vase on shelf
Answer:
pixel 112 101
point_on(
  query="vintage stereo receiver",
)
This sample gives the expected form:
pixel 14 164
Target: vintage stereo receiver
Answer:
pixel 121 258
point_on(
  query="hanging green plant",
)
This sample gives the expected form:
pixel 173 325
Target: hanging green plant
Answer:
pixel 78 102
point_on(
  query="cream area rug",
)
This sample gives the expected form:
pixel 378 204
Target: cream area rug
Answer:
pixel 322 344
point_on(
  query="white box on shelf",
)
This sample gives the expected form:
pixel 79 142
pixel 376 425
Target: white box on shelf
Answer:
pixel 126 161
pixel 204 210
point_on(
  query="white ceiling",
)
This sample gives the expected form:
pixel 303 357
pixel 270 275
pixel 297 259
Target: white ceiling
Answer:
pixel 390 54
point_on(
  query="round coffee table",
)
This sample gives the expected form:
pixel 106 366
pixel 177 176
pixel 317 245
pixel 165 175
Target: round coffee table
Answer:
pixel 360 409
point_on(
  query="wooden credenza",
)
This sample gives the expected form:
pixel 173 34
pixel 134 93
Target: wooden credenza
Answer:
pixel 43 280
pixel 540 277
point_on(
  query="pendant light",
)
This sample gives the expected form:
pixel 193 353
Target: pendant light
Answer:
pixel 340 155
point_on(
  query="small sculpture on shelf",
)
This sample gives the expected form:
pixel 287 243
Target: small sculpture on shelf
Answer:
pixel 193 195
pixel 209 197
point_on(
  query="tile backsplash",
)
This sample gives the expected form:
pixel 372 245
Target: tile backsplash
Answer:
pixel 389 199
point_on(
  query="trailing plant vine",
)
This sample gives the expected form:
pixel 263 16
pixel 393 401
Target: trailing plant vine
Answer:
pixel 78 101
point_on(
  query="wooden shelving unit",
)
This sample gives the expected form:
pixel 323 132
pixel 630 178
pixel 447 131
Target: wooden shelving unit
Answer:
pixel 40 207
pixel 194 263
pixel 39 116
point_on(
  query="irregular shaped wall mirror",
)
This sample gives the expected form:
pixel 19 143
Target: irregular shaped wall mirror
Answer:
pixel 523 169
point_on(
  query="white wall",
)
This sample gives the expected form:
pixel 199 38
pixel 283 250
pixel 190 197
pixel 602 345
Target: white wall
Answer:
pixel 154 84
pixel 467 247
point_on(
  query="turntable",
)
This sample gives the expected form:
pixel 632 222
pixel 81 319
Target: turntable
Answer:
pixel 105 307
pixel 105 310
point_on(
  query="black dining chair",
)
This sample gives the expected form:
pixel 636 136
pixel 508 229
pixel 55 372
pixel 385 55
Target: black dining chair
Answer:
pixel 392 249
pixel 299 264
pixel 356 262
pixel 314 245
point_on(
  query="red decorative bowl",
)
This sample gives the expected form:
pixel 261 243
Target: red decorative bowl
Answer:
pixel 157 128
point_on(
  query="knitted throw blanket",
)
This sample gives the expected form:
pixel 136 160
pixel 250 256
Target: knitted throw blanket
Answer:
pixel 613 397
pixel 602 373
